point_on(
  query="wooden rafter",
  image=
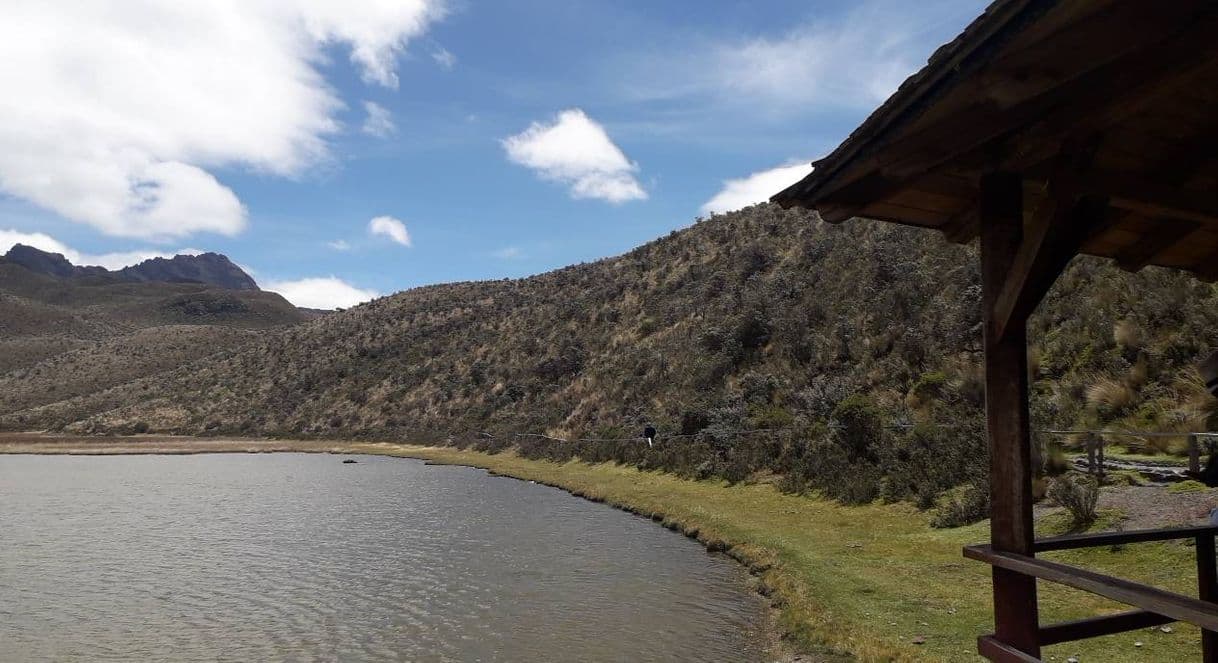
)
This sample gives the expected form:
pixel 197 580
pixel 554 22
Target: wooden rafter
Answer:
pixel 1168 233
pixel 1139 194
pixel 1125 84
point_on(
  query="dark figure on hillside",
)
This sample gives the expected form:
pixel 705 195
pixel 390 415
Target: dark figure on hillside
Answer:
pixel 649 434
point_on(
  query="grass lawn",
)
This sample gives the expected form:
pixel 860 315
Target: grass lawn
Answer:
pixel 865 580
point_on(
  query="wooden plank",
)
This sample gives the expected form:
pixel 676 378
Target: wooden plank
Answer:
pixel 1123 84
pixel 1093 627
pixel 919 217
pixel 1168 233
pixel 1054 237
pixel 1169 604
pixel 1073 541
pixel 1207 586
pixel 1000 652
pixel 962 228
pixel 1006 408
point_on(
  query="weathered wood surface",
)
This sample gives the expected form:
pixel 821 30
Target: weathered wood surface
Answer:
pixel 1006 407
pixel 1169 604
pixel 1098 539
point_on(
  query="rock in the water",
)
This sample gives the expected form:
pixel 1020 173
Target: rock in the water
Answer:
pixel 349 461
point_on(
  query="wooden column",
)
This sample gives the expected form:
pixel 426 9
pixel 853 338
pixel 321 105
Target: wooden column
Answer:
pixel 1194 456
pixel 1006 405
pixel 1207 582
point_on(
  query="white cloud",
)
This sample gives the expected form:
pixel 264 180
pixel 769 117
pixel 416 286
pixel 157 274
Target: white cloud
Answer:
pixel 339 245
pixel 852 60
pixel 509 253
pixel 114 113
pixel 115 260
pixel 576 151
pixel 379 122
pixel 321 292
pixel 444 58
pixel 755 188
pixel 390 227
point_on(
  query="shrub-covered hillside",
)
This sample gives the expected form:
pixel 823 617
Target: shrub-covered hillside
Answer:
pixel 64 336
pixel 762 319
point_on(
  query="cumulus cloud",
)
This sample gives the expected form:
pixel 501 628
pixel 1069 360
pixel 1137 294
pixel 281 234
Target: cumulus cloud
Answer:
pixel 116 260
pixel 339 245
pixel 390 227
pixel 444 58
pixel 326 292
pixel 755 188
pixel 379 121
pixel 114 114
pixel 576 151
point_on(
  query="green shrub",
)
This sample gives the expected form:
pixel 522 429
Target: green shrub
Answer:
pixel 1055 461
pixel 1190 486
pixel 929 385
pixel 961 506
pixel 1079 494
pixel 858 426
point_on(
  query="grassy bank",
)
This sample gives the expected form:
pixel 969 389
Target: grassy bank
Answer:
pixel 865 580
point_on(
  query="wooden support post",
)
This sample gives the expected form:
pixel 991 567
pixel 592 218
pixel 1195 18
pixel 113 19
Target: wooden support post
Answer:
pixel 1194 456
pixel 1091 455
pixel 1006 404
pixel 1099 445
pixel 1207 582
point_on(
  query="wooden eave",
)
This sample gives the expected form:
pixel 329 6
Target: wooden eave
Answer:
pixel 1028 86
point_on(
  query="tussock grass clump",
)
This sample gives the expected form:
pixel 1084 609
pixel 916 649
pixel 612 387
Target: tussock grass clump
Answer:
pixel 1126 333
pixel 1079 494
pixel 1110 396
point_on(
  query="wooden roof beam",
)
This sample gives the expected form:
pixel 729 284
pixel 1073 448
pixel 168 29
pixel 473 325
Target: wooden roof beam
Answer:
pixel 1124 85
pixel 1051 239
pixel 1138 194
pixel 1168 233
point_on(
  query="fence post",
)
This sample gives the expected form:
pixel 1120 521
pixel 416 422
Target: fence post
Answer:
pixel 1207 585
pixel 1194 455
pixel 1090 454
pixel 1099 452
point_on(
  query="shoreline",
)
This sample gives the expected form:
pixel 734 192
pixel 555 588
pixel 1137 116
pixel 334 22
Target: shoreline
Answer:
pixel 870 582
pixel 774 643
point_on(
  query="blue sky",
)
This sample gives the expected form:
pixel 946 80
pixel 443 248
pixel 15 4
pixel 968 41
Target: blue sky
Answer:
pixel 486 140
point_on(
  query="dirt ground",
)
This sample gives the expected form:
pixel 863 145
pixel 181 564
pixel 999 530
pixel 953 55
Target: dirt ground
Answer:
pixel 1150 507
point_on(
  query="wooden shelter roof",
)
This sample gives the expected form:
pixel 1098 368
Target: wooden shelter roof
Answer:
pixel 1111 99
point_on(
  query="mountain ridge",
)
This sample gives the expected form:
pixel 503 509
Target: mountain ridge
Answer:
pixel 206 268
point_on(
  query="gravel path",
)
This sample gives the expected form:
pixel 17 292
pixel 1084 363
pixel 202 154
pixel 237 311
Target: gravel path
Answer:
pixel 1150 507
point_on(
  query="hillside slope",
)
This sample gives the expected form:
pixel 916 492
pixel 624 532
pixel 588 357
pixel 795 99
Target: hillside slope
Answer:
pixel 758 319
pixel 64 336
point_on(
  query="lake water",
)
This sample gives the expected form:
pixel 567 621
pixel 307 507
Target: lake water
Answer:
pixel 298 557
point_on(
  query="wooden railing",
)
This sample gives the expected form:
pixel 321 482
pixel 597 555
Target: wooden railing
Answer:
pixel 1154 606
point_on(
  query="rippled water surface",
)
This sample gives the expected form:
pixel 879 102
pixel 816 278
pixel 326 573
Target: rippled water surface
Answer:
pixel 299 557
